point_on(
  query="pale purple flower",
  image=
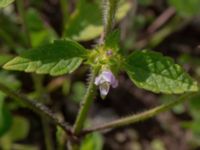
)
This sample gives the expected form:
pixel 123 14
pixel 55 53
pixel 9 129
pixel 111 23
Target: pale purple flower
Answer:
pixel 104 81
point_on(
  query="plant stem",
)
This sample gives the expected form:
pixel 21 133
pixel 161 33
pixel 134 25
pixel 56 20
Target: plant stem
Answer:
pixel 109 10
pixel 139 117
pixel 37 107
pixel 21 10
pixel 85 105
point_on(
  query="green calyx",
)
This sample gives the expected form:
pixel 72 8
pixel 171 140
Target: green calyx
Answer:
pixel 106 58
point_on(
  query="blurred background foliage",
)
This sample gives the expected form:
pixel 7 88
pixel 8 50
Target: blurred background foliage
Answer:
pixel 168 26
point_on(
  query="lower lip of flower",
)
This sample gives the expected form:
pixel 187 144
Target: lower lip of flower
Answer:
pixel 104 89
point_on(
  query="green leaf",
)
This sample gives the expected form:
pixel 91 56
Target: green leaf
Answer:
pixel 92 141
pixel 4 58
pixel 9 80
pixel 19 129
pixel 11 36
pixel 194 102
pixel 60 57
pixel 78 91
pixel 194 106
pixel 123 7
pixel 192 125
pixel 157 144
pixel 40 33
pixel 5 3
pixel 86 22
pixel 154 72
pixel 186 7
pixel 5 117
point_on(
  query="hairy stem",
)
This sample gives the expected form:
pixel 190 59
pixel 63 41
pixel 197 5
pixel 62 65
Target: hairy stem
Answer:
pixel 109 10
pixel 139 117
pixel 37 107
pixel 85 105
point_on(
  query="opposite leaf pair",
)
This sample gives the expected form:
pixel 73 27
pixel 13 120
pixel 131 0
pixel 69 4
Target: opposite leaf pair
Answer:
pixel 147 69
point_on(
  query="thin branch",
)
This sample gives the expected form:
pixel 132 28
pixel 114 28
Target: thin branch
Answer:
pixel 37 107
pixel 161 20
pixel 138 117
